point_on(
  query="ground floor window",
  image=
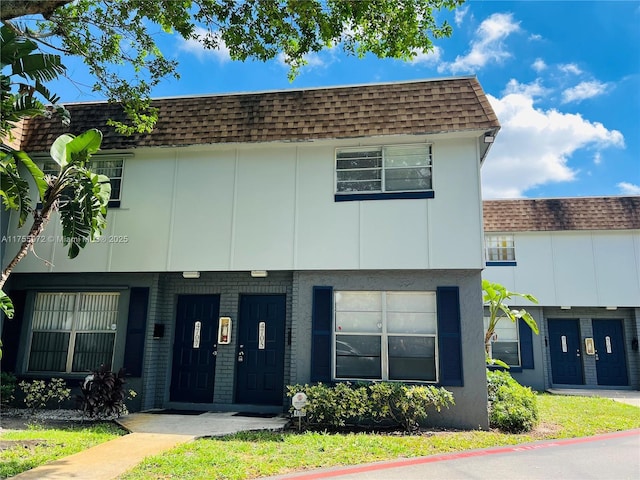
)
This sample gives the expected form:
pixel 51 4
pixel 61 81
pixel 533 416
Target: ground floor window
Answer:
pixel 505 344
pixel 384 335
pixel 73 332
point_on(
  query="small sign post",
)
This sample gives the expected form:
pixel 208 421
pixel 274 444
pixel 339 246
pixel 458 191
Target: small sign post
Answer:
pixel 299 401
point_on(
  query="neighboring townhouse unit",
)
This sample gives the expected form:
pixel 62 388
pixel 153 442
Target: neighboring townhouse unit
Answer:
pixel 265 239
pixel 581 258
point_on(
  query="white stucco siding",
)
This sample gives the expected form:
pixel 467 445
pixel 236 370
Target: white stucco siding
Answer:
pixel 578 268
pixel 264 209
pixel 454 215
pixel 272 207
pixel 327 233
pixel 201 219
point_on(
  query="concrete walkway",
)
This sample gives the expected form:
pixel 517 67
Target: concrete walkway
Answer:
pixel 151 434
pixel 630 397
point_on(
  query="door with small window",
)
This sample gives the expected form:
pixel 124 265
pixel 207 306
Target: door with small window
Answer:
pixel 195 349
pixel 565 351
pixel 260 357
pixel 611 363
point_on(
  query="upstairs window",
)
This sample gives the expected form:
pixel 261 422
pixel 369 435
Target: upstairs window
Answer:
pixel 397 171
pixel 112 167
pixel 500 250
pixel 73 332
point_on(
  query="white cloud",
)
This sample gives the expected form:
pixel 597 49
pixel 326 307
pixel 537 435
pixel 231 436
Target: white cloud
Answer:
pixel 583 91
pixel 430 58
pixel 486 45
pixel 535 37
pixel 460 14
pixel 570 68
pixel 534 146
pixel 534 89
pixel 539 65
pixel 195 47
pixel 597 158
pixel 629 188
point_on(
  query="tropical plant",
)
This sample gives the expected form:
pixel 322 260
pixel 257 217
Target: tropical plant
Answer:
pixel 74 191
pixel 19 65
pixel 494 297
pixel 113 37
pixel 103 393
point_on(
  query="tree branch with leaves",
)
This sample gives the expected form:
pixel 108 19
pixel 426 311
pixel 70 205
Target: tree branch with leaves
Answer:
pixel 114 37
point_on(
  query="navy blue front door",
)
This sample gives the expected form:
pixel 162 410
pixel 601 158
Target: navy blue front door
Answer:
pixel 260 359
pixel 194 348
pixel 611 365
pixel 566 354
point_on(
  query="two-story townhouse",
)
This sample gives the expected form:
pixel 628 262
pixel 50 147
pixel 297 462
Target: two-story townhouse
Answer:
pixel 265 239
pixel 581 258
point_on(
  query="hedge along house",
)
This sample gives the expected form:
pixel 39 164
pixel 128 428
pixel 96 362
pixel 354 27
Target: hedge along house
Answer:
pixel 581 258
pixel 265 239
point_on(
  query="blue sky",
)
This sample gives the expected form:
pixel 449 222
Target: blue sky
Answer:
pixel 563 77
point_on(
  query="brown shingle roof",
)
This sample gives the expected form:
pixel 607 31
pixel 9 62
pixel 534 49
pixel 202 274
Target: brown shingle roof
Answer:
pixel 431 106
pixel 587 213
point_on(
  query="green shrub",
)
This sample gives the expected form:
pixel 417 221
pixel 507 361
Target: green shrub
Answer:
pixel 369 404
pixel 512 407
pixel 39 394
pixel 8 384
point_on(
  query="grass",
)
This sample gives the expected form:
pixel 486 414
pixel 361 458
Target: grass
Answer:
pixel 251 455
pixel 22 450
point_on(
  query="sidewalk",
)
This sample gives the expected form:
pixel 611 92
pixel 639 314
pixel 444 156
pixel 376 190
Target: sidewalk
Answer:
pixel 151 434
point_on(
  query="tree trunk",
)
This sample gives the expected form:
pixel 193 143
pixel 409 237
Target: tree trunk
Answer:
pixel 19 8
pixel 36 229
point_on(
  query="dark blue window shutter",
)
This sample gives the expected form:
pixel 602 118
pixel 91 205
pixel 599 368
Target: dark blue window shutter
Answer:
pixel 449 336
pixel 136 331
pixel 11 331
pixel 526 344
pixel 321 321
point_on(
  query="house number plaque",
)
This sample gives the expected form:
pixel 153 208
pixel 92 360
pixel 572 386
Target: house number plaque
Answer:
pixel 262 328
pixel 196 334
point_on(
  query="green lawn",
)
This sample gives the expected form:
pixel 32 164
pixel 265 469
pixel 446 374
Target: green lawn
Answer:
pixel 251 455
pixel 22 450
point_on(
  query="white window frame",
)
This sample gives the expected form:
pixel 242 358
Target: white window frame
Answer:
pixel 502 326
pixel 500 247
pixel 51 167
pixel 383 168
pixel 74 330
pixel 384 336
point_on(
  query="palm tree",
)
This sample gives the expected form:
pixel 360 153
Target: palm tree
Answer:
pixel 18 98
pixel 494 295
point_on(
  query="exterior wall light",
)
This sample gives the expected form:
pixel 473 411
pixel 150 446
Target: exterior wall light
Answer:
pixel 190 274
pixel 259 273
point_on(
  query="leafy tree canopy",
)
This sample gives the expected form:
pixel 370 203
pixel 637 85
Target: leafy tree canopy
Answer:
pixel 111 35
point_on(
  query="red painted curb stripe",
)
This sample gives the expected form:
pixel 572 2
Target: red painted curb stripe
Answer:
pixel 454 456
